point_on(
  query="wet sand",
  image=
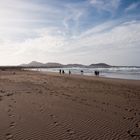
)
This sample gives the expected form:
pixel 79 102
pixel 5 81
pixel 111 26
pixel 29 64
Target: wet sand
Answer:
pixel 36 106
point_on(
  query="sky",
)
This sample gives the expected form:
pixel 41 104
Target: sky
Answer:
pixel 70 31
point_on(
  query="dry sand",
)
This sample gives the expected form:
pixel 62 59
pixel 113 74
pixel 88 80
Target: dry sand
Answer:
pixel 35 106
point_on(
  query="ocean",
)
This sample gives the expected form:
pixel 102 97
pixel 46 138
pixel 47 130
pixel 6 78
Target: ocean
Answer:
pixel 113 72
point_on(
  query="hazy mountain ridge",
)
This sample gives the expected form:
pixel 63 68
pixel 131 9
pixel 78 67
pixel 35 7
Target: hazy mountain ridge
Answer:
pixel 53 64
pixel 75 65
pixel 100 65
pixel 36 64
pixel 39 64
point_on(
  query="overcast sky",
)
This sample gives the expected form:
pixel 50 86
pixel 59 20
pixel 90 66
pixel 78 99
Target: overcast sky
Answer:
pixel 70 31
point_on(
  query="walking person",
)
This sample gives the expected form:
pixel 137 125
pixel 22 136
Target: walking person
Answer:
pixel 96 73
pixel 60 71
pixel 63 72
pixel 69 72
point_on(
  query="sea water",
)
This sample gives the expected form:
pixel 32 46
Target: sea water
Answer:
pixel 113 72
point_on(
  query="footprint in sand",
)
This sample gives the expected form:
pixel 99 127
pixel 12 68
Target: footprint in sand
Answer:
pixel 11 115
pixel 134 133
pixel 128 118
pixel 10 106
pixel 0 98
pixel 53 116
pixel 41 108
pixel 117 106
pixel 9 136
pixel 15 101
pixel 28 92
pixel 9 110
pixel 70 131
pixel 40 92
pixel 56 123
pixel 9 94
pixel 2 91
pixel 138 125
pixel 12 124
pixel 12 99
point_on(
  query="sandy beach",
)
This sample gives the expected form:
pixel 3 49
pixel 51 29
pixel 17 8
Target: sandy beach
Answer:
pixel 37 106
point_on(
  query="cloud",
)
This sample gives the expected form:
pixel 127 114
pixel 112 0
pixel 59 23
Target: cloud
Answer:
pixel 66 32
pixel 71 21
pixel 21 18
pixel 115 46
pixel 120 36
pixel 97 46
pixel 105 5
pixel 132 6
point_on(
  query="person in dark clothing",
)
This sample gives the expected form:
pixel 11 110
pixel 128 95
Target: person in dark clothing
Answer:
pixel 69 72
pixel 63 72
pixel 96 73
pixel 60 71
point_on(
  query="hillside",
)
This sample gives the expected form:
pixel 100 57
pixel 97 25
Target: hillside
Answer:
pixel 99 65
pixel 56 65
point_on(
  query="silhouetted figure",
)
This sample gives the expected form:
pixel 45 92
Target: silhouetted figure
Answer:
pixel 82 72
pixel 63 72
pixel 69 72
pixel 96 73
pixel 60 71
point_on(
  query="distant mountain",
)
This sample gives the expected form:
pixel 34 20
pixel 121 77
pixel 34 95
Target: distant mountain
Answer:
pixel 75 65
pixel 33 64
pixel 100 65
pixel 53 65
pixel 58 65
pixel 38 64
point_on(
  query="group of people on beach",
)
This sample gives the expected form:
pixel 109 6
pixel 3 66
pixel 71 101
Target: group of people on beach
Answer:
pixel 96 73
pixel 82 72
pixel 63 72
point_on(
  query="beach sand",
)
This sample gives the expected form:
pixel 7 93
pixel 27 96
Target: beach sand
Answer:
pixel 37 106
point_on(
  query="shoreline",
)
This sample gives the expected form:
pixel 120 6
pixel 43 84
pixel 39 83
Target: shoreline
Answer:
pixel 114 75
pixel 88 76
